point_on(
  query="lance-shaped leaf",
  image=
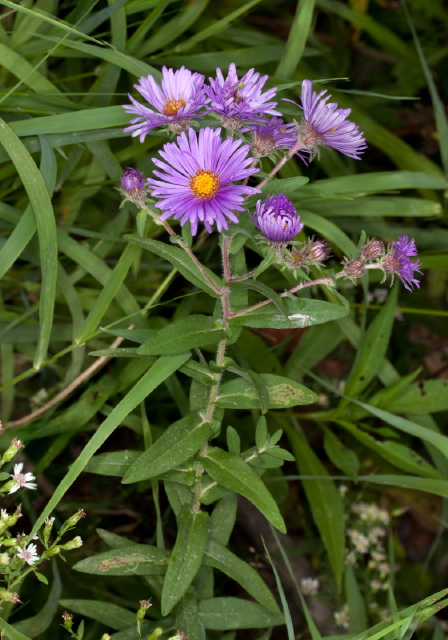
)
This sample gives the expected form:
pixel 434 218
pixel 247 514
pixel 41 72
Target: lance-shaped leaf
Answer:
pixel 300 312
pixel 181 261
pixel 282 392
pixel 186 557
pixel 134 559
pixel 284 185
pixel 219 557
pixel 188 333
pixel 235 613
pixel 178 443
pixel 235 474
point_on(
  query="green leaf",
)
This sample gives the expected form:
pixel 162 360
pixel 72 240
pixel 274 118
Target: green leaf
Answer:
pixel 428 485
pixel 297 38
pixel 222 519
pixel 13 634
pixel 234 613
pixel 46 230
pixel 301 312
pixel 218 557
pixel 397 454
pixel 112 463
pixel 189 333
pixel 284 185
pixel 324 500
pixel 372 350
pixel 134 559
pixel 343 458
pixel 233 473
pixel 355 601
pixel 178 443
pixel 283 392
pixel 179 259
pixel 186 557
pixel 424 396
pixel 111 615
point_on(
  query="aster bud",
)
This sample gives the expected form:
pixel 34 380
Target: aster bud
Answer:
pixel 133 186
pixel 105 636
pixel 47 528
pixel 4 559
pixel 11 451
pixel 156 633
pixel 354 269
pixel 315 252
pixel 373 249
pixel 180 635
pixel 53 551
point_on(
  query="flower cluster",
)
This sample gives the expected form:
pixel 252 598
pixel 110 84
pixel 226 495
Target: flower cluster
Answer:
pixel 395 261
pixel 203 178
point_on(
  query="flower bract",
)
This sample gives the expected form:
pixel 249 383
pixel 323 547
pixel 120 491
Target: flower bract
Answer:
pixel 277 219
pixel 324 124
pixel 196 179
pixel 180 98
pixel 240 100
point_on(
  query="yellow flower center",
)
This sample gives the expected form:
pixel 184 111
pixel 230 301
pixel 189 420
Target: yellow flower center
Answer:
pixel 204 184
pixel 171 107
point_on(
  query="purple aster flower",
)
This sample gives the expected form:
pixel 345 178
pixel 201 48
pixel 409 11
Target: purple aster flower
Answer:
pixel 398 262
pixel 180 98
pixel 277 219
pixel 196 181
pixel 238 100
pixel 270 135
pixel 323 124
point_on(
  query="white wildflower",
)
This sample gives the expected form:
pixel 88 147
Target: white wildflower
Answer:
pixel 22 479
pixel 342 617
pixel 310 586
pixel 29 553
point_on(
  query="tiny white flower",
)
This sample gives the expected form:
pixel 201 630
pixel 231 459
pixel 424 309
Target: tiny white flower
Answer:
pixel 4 559
pixel 22 479
pixel 29 553
pixel 310 586
pixel 342 617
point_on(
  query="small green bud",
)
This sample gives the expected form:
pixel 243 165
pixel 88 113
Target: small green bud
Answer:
pixel 47 528
pixel 156 633
pixel 72 544
pixel 12 450
pixel 53 551
pixel 75 518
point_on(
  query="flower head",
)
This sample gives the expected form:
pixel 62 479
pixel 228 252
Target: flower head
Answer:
pixel 196 182
pixel 180 98
pixel 21 479
pixel 132 181
pixel 398 262
pixel 269 135
pixel 277 219
pixel 310 586
pixel 29 553
pixel 324 124
pixel 236 100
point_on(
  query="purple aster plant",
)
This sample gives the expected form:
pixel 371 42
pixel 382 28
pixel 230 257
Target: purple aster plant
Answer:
pixel 240 100
pixel 397 261
pixel 196 181
pixel 277 219
pixel 270 135
pixel 324 124
pixel 179 99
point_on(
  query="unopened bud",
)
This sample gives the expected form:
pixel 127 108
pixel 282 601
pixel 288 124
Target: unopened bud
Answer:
pixel 373 249
pixel 180 635
pixel 72 544
pixel 11 451
pixel 4 559
pixel 133 185
pixel 315 252
pixel 354 268
pixel 53 551
pixel 156 633
pixel 105 636
pixel 47 528
pixel 75 518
